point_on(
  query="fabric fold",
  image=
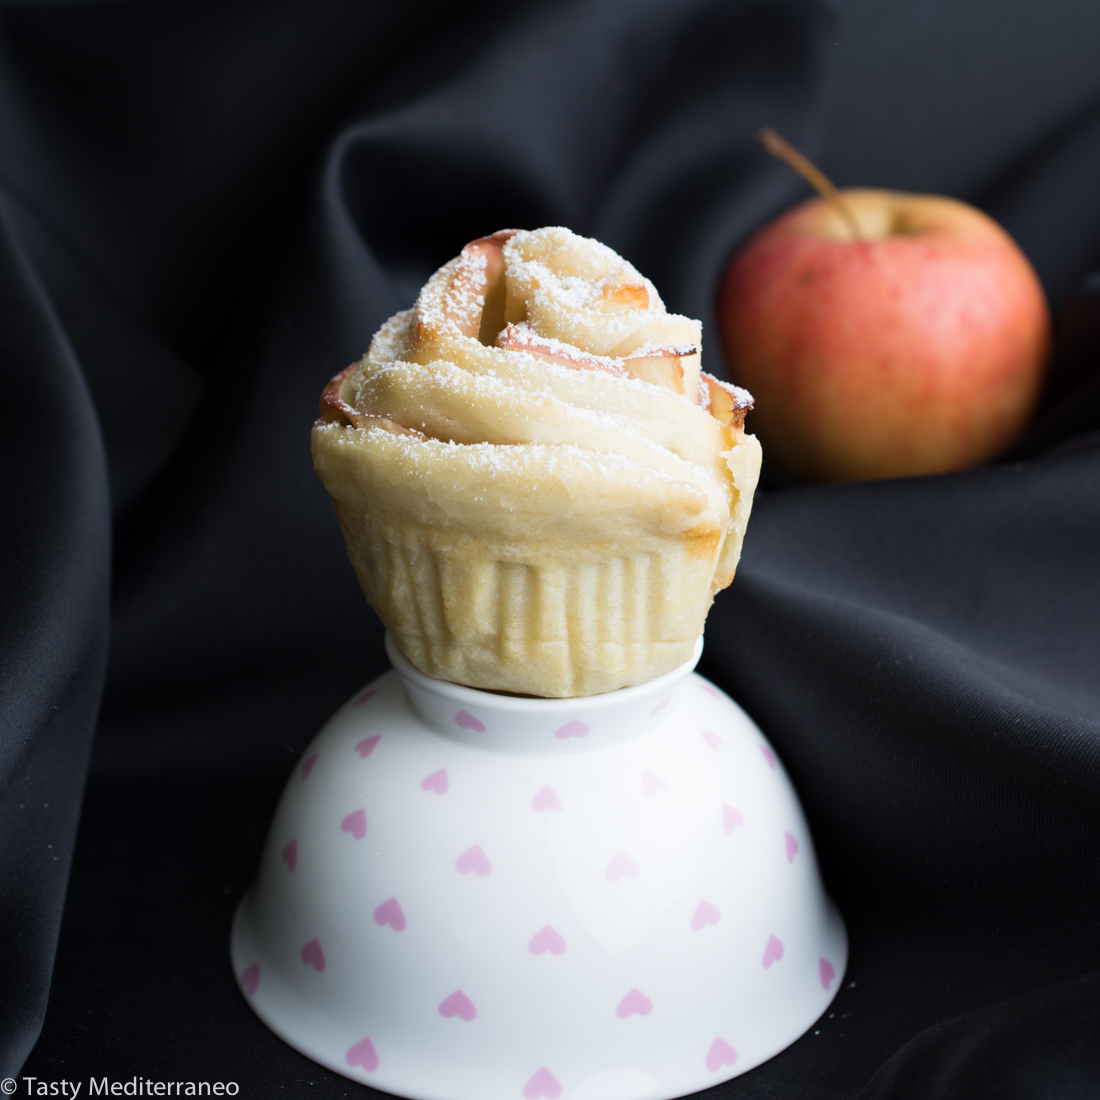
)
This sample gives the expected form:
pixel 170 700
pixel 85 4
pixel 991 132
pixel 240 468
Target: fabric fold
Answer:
pixel 54 587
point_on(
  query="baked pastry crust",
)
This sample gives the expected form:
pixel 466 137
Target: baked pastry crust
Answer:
pixel 539 490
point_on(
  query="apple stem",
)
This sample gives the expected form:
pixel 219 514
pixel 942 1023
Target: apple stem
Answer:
pixel 783 150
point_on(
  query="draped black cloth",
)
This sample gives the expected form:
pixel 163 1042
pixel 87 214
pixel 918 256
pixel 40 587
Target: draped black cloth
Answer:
pixel 206 209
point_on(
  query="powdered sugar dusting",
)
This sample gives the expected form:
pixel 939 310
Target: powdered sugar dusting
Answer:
pixel 390 340
pixel 742 399
pixel 520 337
pixel 648 351
pixel 465 298
pixel 704 393
pixel 535 463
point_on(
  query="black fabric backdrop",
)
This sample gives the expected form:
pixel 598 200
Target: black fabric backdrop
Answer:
pixel 205 211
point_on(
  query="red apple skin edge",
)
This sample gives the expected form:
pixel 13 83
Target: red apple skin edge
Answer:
pixel 919 349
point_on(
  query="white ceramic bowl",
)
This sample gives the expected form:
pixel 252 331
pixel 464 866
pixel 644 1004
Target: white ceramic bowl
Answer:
pixel 473 896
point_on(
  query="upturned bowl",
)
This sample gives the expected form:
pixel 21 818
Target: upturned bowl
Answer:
pixel 473 896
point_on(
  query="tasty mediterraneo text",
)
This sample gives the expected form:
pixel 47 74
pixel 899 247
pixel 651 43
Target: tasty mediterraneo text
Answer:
pixel 136 1086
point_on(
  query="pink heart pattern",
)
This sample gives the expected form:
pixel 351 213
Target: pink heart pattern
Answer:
pixel 355 823
pixel 576 728
pixel 706 912
pixel 474 859
pixel 542 1083
pixel 437 782
pixel 391 913
pixel 634 1001
pixel 621 866
pixel 660 706
pixel 250 978
pixel 467 721
pixel 826 972
pixel 773 952
pixel 710 690
pixel 720 1054
pixel 363 1054
pixel 313 956
pixel 290 854
pixel 368 745
pixel 457 1004
pixel 546 939
pixel 546 798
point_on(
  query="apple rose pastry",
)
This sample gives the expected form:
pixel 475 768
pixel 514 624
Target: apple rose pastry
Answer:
pixel 539 489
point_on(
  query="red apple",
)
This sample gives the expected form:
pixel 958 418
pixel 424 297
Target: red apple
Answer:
pixel 918 348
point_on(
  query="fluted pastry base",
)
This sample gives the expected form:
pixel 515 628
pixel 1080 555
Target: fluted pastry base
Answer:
pixel 561 585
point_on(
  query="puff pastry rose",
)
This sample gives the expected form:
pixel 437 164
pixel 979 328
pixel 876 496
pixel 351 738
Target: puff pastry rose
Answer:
pixel 539 489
